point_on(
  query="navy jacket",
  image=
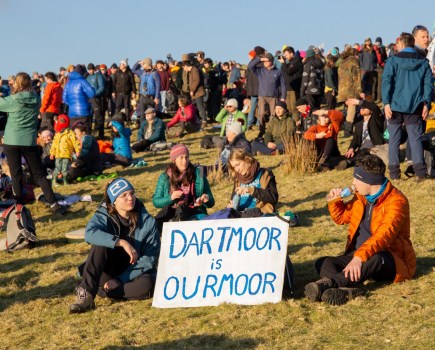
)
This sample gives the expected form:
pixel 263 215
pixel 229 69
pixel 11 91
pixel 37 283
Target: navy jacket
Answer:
pixel 76 95
pixel 97 81
pixel 271 82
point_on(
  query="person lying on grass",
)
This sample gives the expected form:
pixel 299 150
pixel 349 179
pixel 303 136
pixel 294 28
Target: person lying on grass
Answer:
pixel 125 247
pixel 378 244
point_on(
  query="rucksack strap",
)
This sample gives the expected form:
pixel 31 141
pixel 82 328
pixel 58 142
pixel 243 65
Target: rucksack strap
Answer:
pixel 4 215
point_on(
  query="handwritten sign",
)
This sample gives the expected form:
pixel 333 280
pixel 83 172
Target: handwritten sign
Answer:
pixel 207 263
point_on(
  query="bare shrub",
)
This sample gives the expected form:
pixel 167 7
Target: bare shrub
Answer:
pixel 215 173
pixel 300 155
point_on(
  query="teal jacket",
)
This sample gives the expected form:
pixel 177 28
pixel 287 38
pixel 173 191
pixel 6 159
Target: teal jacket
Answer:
pixel 222 118
pixel 103 230
pixel 162 197
pixel 158 133
pixel 23 109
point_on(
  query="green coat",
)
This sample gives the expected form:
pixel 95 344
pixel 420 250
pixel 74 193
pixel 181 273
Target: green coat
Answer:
pixel 23 109
pixel 223 116
pixel 162 197
pixel 278 128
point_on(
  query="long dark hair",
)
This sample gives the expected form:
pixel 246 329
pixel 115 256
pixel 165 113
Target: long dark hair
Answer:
pixel 134 214
pixel 174 175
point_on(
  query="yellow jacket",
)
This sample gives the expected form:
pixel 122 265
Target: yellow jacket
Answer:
pixel 65 144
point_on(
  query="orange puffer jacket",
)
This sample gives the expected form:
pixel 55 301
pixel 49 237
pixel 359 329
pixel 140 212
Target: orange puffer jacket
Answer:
pixel 390 227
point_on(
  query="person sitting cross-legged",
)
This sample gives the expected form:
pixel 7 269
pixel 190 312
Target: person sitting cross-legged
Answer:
pixel 378 243
pixel 151 130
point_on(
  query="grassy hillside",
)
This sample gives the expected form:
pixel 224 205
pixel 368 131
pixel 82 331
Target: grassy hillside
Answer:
pixel 36 286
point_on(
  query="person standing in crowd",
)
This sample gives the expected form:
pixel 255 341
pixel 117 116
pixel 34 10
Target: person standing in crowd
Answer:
pixel 51 101
pixel 407 91
pixel 125 245
pixel 165 78
pixel 62 77
pixel 255 185
pixel 124 88
pixel 217 79
pixel 97 81
pixel 182 191
pixel 251 91
pixel 151 130
pixel 196 90
pixel 149 90
pixel 378 243
pixel 381 56
pixel 76 95
pixel 20 139
pixel 88 161
pixel 279 130
pixel 368 64
pixel 312 85
pixel 271 87
pixel 349 85
pixel 331 82
pixel 292 69
pixel 421 40
pixel 108 89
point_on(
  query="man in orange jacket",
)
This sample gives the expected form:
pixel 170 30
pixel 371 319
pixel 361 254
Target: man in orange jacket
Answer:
pixel 378 243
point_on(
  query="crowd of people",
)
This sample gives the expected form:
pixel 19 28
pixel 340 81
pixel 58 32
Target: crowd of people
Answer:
pixel 308 95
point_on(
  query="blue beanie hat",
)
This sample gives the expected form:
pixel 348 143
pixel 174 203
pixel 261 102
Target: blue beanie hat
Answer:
pixel 117 187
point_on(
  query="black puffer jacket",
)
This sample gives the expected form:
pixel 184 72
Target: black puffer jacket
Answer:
pixel 123 82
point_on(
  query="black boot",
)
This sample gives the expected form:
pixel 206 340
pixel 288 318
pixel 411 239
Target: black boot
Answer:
pixel 315 290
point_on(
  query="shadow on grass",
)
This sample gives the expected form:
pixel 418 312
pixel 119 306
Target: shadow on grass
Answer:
pixel 306 216
pixel 19 280
pixel 313 197
pixel 60 289
pixel 197 342
pixel 20 263
pixel 425 265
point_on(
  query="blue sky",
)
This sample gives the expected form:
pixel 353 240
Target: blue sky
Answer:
pixel 42 35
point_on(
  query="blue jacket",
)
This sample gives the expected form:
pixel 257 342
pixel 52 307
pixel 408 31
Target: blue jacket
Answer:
pixel 98 82
pixel 76 94
pixel 104 229
pixel 149 81
pixel 158 133
pixel 271 82
pixel 121 144
pixel 406 82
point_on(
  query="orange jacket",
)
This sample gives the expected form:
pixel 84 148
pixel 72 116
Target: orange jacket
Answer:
pixel 332 129
pixel 390 227
pixel 52 98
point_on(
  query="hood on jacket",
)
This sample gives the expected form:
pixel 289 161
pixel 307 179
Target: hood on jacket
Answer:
pixel 75 75
pixel 26 98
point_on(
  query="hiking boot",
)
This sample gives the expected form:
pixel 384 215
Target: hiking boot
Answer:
pixel 340 296
pixel 409 172
pixel 315 290
pixel 342 165
pixel 58 209
pixel 84 301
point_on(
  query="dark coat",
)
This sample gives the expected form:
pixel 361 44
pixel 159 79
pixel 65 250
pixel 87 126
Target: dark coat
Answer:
pixel 292 72
pixel 123 82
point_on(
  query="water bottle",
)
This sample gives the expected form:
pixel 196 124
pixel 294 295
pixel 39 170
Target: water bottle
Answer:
pixel 347 191
pixel 236 201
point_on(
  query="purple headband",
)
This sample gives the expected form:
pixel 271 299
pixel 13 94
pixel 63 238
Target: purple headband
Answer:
pixel 368 178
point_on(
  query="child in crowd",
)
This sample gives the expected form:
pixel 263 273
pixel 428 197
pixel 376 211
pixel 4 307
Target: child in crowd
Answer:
pixel 121 142
pixel 65 144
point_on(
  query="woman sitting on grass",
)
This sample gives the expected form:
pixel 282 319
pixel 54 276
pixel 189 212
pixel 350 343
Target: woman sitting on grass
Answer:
pixel 254 187
pixel 182 191
pixel 125 247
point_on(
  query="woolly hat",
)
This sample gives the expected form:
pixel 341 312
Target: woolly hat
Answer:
pixel 80 69
pixel 309 53
pixel 334 52
pixel 124 62
pixel 118 187
pixel 252 53
pixel 178 151
pixel 147 62
pixel 281 104
pixel 46 133
pixel 114 66
pixel 235 127
pixel 103 66
pixel 91 66
pixel 61 123
pixel 232 102
pixel 379 40
pixel 301 102
pixel 373 107
pixel 259 50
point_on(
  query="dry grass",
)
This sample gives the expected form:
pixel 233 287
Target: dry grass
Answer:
pixel 36 286
pixel 300 156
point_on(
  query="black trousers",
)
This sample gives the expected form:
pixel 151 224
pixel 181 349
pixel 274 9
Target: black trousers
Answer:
pixel 379 267
pixel 115 159
pixel 141 145
pixel 145 102
pixel 104 264
pixel 33 159
pixel 123 101
pixel 98 113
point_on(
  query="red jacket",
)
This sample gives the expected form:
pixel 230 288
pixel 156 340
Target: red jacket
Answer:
pixel 186 117
pixel 52 98
pixel 332 129
pixel 390 227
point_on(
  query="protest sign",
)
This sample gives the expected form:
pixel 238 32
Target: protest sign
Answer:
pixel 207 263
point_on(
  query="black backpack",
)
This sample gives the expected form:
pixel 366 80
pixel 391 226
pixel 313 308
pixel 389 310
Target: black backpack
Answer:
pixel 20 228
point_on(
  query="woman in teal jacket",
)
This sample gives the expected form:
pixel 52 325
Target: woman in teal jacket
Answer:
pixel 125 243
pixel 182 191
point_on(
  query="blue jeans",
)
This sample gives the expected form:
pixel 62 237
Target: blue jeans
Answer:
pixel 251 114
pixel 415 132
pixel 162 102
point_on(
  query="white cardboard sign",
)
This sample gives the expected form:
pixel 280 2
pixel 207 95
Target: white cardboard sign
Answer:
pixel 207 263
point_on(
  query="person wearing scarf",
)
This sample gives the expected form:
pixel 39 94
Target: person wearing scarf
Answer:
pixel 378 243
pixel 182 190
pixel 255 185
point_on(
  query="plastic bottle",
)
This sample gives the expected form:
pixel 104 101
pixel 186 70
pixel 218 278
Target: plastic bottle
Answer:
pixel 236 201
pixel 347 191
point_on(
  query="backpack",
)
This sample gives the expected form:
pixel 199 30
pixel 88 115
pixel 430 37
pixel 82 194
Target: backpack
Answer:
pixel 20 228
